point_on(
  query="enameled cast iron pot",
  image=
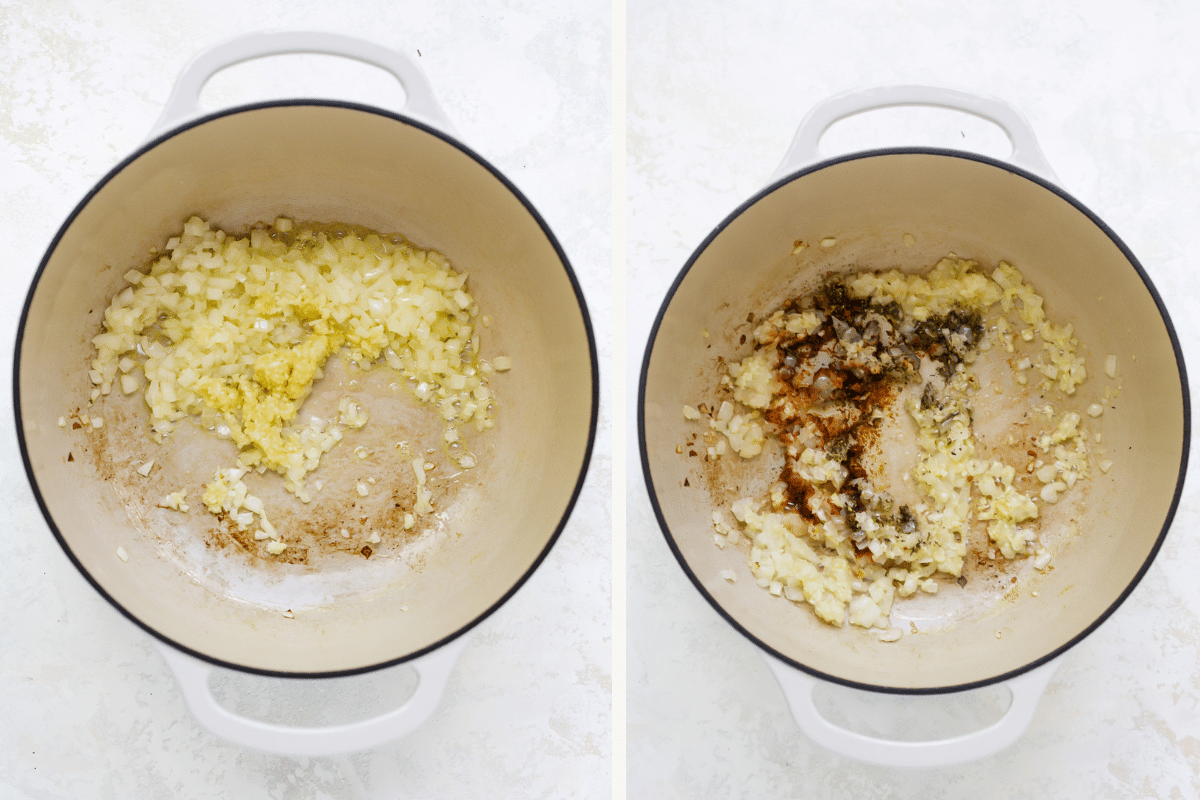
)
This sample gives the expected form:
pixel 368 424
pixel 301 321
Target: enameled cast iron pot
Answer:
pixel 345 614
pixel 945 201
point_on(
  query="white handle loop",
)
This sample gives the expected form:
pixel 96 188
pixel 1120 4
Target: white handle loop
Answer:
pixel 805 151
pixel 184 102
pixel 433 668
pixel 1026 691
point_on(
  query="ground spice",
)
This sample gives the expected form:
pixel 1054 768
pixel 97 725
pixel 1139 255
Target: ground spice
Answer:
pixel 839 379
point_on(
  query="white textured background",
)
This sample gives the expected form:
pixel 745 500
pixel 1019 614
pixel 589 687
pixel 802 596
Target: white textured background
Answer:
pixel 715 92
pixel 87 706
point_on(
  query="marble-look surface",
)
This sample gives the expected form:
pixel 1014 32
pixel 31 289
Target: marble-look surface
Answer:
pixel 88 709
pixel 714 96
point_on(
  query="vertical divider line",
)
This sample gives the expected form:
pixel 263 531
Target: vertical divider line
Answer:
pixel 617 395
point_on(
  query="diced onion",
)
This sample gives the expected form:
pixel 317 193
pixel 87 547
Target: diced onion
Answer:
pixel 232 331
pixel 853 550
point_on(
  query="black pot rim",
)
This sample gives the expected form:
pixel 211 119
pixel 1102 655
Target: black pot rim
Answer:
pixel 406 120
pixel 878 153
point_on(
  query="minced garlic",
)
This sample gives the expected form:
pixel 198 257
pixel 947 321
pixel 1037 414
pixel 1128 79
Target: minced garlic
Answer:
pixel 175 501
pixel 227 494
pixel 351 414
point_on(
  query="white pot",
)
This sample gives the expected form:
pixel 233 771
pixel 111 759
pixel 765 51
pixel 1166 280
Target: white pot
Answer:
pixel 977 207
pixel 321 161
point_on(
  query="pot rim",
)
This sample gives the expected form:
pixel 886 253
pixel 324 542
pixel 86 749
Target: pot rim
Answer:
pixel 149 145
pixel 950 153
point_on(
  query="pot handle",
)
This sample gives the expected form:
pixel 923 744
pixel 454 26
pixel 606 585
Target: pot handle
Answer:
pixel 1026 691
pixel 434 669
pixel 804 149
pixel 184 102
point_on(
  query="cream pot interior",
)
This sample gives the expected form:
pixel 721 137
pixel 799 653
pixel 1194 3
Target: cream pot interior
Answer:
pixel 337 610
pixel 864 205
